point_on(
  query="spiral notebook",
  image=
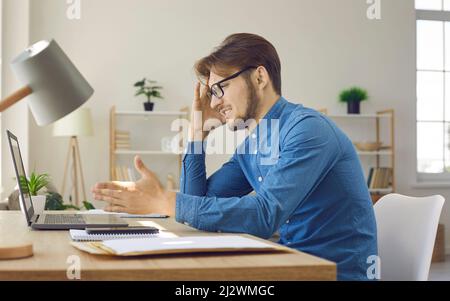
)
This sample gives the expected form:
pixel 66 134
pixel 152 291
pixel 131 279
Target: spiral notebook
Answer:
pixel 82 235
pixel 178 245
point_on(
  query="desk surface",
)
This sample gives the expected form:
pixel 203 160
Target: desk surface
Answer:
pixel 52 250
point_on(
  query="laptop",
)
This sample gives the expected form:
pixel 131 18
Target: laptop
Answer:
pixel 54 221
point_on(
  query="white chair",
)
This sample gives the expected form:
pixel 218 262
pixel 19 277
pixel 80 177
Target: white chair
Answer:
pixel 406 228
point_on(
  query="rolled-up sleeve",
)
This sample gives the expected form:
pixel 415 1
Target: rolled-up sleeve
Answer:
pixel 228 181
pixel 193 170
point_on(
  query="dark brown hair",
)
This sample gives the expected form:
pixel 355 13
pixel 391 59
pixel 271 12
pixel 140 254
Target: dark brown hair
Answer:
pixel 241 50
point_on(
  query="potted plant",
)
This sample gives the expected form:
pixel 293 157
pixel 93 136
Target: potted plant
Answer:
pixel 353 98
pixel 55 202
pixel 149 89
pixel 33 186
pixel 50 201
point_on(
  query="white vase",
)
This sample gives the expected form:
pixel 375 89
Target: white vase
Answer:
pixel 38 203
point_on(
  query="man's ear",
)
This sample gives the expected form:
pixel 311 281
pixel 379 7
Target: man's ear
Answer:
pixel 262 77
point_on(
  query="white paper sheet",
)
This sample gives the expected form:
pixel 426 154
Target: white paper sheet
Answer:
pixel 237 243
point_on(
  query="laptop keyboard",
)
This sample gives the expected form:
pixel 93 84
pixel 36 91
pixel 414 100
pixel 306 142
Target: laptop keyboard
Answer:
pixel 58 219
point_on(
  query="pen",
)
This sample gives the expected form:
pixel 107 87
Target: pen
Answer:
pixel 126 215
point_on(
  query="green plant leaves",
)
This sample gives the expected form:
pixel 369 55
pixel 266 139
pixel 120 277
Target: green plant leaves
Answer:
pixel 146 87
pixel 140 83
pixel 23 184
pixel 353 94
pixel 88 205
pixel 54 201
pixel 140 92
pixel 37 182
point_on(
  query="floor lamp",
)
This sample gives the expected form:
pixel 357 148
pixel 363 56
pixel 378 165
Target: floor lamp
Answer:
pixel 75 125
pixel 54 88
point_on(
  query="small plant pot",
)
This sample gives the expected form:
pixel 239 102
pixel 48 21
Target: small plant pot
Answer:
pixel 38 203
pixel 148 106
pixel 353 107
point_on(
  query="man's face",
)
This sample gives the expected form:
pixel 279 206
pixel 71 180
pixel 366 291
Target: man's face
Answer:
pixel 239 102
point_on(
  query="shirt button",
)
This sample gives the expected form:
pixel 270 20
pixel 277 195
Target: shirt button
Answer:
pixel 254 136
pixel 288 221
pixel 255 152
pixel 260 179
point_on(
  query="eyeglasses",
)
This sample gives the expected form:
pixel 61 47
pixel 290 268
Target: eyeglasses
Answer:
pixel 217 89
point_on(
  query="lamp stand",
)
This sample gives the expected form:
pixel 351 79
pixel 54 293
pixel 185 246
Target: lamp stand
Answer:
pixel 74 153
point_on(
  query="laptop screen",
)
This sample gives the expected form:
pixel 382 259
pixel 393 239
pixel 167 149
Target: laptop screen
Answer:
pixel 21 176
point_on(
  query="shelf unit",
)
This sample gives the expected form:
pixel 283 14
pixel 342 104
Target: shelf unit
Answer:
pixel 385 151
pixel 114 152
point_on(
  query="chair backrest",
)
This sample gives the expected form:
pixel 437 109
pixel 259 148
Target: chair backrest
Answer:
pixel 406 228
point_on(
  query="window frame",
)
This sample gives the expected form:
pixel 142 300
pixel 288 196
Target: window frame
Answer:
pixel 440 16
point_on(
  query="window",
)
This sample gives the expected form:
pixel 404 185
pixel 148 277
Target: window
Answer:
pixel 433 89
pixel 433 4
pixel 1 94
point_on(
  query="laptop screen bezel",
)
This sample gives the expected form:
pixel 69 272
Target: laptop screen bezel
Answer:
pixel 29 212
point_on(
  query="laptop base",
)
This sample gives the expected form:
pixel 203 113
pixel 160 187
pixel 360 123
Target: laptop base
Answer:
pixel 90 221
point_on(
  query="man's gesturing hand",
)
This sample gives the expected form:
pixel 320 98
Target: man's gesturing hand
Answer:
pixel 145 196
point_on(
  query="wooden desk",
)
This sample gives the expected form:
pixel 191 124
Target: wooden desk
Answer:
pixel 52 249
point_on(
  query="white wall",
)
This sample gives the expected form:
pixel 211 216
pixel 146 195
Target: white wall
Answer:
pixel 15 38
pixel 325 46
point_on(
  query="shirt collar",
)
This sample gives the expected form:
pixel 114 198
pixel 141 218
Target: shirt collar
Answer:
pixel 276 110
pixel 274 113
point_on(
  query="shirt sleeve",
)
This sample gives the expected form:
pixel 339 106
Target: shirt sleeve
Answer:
pixel 307 153
pixel 228 181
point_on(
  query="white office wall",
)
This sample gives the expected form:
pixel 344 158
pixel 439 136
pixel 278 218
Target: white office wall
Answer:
pixel 325 45
pixel 15 38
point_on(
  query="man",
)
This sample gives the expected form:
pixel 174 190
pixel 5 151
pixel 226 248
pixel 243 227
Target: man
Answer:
pixel 308 184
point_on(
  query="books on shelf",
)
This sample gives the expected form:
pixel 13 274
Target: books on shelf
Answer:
pixel 122 132
pixel 379 178
pixel 122 140
pixel 123 146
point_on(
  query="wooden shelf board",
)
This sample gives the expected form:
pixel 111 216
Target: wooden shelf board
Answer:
pixel 380 190
pixel 374 153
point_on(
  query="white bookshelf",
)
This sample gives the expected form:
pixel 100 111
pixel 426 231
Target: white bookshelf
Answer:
pixel 115 152
pixel 358 116
pixel 375 153
pixel 381 190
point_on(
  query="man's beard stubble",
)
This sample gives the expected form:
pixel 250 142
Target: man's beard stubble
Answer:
pixel 250 113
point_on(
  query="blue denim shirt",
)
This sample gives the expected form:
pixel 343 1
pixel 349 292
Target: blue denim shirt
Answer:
pixel 308 184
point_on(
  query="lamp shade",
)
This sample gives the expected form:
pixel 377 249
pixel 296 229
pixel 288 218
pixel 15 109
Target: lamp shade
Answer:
pixel 58 88
pixel 78 123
